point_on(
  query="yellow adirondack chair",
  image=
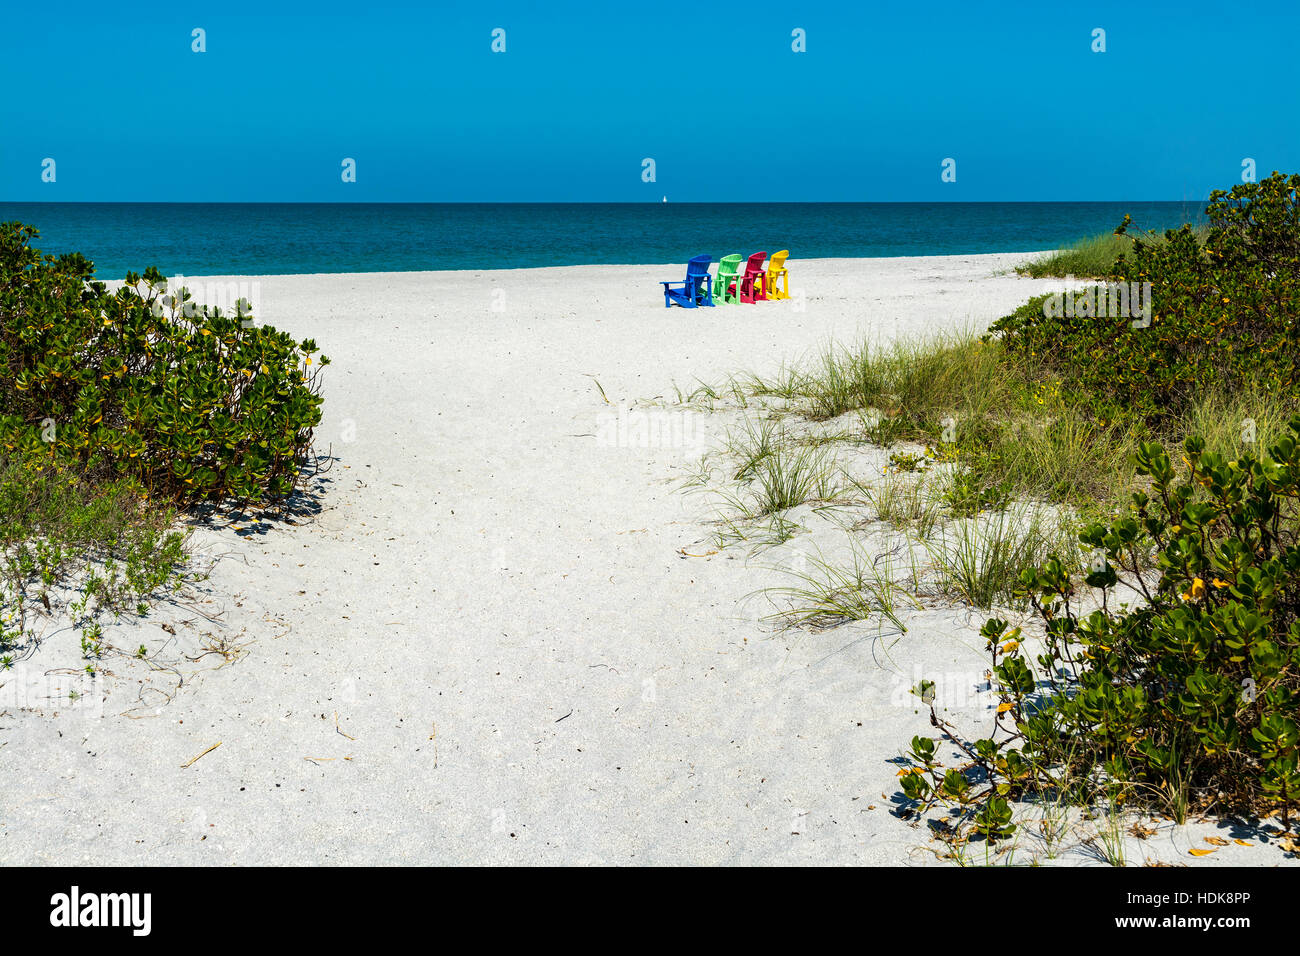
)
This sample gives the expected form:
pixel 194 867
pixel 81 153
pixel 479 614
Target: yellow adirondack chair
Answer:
pixel 776 270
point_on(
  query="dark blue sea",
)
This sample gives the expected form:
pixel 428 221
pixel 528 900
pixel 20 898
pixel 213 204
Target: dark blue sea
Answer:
pixel 273 238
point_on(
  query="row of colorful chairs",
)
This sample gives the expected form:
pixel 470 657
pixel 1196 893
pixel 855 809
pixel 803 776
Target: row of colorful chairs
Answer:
pixel 755 284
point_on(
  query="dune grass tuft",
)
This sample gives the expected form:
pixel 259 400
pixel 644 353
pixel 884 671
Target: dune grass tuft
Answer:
pixel 1092 257
pixel 978 560
pixel 777 472
pixel 830 593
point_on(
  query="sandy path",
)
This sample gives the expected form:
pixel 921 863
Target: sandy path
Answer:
pixel 493 604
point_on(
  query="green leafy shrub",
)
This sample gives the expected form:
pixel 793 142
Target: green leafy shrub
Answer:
pixel 191 403
pixel 1191 699
pixel 1092 257
pixel 965 495
pixel 1224 306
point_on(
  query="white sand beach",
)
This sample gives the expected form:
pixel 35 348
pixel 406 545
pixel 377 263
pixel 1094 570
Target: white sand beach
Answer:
pixel 502 638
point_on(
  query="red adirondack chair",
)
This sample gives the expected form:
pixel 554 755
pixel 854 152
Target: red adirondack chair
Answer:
pixel 753 285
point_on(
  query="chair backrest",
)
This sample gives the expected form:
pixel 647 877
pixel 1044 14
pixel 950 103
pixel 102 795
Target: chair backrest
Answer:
pixel 778 260
pixel 755 263
pixel 698 267
pixel 729 265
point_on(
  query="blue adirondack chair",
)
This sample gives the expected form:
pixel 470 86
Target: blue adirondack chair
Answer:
pixel 695 290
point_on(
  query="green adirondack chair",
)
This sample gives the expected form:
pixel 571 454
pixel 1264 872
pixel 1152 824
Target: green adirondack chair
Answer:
pixel 728 275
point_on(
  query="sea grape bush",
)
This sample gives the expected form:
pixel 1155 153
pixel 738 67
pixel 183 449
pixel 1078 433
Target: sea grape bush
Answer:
pixel 115 410
pixel 191 403
pixel 1224 313
pixel 1190 699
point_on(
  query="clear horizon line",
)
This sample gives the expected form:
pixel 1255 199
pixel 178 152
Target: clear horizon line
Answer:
pixel 582 202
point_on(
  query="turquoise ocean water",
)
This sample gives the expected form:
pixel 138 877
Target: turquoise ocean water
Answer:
pixel 272 238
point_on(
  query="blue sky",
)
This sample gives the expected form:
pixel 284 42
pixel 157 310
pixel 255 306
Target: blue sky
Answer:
pixel 586 91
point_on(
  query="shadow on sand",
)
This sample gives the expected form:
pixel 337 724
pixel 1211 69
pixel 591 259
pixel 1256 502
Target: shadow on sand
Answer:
pixel 302 505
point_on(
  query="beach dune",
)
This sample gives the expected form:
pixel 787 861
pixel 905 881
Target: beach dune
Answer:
pixel 502 638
